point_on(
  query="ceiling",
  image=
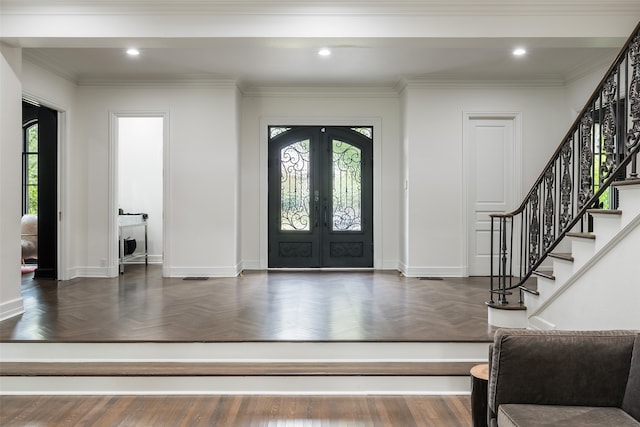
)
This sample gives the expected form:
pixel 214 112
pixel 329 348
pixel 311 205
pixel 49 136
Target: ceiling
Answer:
pixel 365 62
pixel 281 57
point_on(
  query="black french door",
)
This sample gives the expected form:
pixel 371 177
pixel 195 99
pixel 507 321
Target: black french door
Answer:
pixel 45 150
pixel 320 196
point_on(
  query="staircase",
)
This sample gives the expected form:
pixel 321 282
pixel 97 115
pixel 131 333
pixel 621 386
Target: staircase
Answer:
pixel 571 251
pixel 580 292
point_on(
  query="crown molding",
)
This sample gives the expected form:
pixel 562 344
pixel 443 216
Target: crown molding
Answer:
pixel 47 64
pixel 325 7
pixel 478 84
pixel 342 91
pixel 163 81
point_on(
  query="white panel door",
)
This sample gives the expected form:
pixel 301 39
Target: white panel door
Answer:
pixel 490 184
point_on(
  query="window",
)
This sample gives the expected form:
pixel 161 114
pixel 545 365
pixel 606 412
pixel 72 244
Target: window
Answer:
pixel 30 168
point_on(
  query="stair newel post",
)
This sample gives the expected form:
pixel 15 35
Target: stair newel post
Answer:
pixel 491 261
pixel 520 299
pixel 503 260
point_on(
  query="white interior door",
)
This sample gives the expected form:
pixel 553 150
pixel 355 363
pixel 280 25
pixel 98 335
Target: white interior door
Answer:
pixel 489 149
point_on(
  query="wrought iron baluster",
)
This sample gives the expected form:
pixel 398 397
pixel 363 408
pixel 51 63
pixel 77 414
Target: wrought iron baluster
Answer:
pixel 566 185
pixel 633 135
pixel 586 160
pixel 548 236
pixel 608 130
pixel 534 231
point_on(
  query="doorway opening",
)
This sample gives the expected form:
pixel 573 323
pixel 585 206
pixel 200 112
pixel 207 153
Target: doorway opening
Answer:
pixel 140 195
pixel 320 203
pixel 39 224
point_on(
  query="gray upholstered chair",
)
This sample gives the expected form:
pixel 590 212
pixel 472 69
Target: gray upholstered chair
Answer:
pixel 564 378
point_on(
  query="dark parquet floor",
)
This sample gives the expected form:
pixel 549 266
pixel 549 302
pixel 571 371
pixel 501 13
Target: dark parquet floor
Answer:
pixel 141 305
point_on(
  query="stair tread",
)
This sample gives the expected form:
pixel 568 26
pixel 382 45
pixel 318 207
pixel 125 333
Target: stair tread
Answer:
pixel 545 274
pixel 582 235
pixel 635 181
pixel 510 306
pixel 562 256
pixel 604 211
pixel 164 369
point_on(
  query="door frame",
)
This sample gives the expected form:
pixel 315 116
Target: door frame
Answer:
pixel 62 202
pixel 113 269
pixel 374 122
pixel 468 117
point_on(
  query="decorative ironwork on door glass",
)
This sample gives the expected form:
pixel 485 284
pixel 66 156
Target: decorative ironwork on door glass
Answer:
pixel 275 131
pixel 366 131
pixel 347 187
pixel 294 186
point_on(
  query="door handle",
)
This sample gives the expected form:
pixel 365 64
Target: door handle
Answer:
pixel 325 216
pixel 316 199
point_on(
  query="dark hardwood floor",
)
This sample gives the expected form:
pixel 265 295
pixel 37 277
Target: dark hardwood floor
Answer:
pixel 141 305
pixel 235 411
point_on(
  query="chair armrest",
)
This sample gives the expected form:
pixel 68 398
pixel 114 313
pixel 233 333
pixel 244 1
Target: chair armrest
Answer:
pixel 559 367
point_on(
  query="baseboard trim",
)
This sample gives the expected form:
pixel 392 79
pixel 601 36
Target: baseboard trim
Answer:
pixel 11 308
pixel 433 271
pixel 540 324
pixel 232 271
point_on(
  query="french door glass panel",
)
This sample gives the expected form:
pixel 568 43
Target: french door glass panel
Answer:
pixel 294 186
pixel 347 186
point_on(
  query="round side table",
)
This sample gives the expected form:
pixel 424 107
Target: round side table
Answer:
pixel 479 398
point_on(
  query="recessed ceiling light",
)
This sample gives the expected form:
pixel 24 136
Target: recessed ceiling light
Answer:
pixel 519 51
pixel 133 52
pixel 324 52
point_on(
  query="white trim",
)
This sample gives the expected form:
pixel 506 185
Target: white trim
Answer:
pixel 237 385
pixel 375 122
pixel 95 272
pixel 11 308
pixel 507 318
pixel 243 352
pixel 228 271
pixel 252 264
pixel 516 118
pixel 112 256
pixel 540 324
pixel 460 271
pixel 312 7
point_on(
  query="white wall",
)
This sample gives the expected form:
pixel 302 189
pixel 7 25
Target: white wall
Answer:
pixel 10 180
pixel 140 167
pixel 580 89
pixel 216 227
pixel 329 106
pixel 59 94
pixel 200 212
pixel 436 234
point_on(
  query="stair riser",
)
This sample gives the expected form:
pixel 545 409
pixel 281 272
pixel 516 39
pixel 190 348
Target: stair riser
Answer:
pixel 507 318
pixel 343 385
pixel 545 287
pixel 605 227
pixel 582 250
pixel 562 270
pixel 262 352
pixel 629 202
pixel 531 301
